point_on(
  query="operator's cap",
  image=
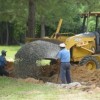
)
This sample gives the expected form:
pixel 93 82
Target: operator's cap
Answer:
pixel 62 45
pixel 3 51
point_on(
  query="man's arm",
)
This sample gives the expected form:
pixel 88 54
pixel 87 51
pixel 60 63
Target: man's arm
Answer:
pixel 58 57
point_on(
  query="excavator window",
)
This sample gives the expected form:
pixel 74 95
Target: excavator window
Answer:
pixel 91 21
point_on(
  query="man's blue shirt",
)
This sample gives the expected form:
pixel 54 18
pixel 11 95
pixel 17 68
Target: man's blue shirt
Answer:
pixel 64 55
pixel 2 61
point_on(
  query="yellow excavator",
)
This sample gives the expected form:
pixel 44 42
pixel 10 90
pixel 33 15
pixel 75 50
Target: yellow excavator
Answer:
pixel 84 47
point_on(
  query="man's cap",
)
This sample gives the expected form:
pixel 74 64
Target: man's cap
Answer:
pixel 62 45
pixel 3 51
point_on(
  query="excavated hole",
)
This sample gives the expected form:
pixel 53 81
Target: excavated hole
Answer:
pixel 28 58
pixel 47 68
pixel 50 73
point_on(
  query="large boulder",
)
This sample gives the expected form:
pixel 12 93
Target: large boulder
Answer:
pixel 26 57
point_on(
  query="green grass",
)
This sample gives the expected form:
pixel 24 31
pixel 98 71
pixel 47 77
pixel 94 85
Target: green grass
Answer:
pixel 12 89
pixel 42 62
pixel 11 51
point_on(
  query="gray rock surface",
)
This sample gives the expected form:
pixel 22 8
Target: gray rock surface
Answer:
pixel 67 86
pixel 26 57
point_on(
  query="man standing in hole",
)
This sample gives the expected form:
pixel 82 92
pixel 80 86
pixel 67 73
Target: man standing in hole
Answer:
pixel 64 57
pixel 3 64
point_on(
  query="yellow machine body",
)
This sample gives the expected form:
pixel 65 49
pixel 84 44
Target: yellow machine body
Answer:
pixel 83 47
pixel 80 46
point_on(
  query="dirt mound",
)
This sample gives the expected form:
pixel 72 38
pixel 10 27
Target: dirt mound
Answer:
pixel 81 74
pixel 50 73
pixel 10 67
pixel 31 80
pixel 78 74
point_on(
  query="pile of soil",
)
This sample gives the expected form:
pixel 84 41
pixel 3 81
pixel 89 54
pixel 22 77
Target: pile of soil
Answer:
pixel 31 80
pixel 10 68
pixel 49 73
pixel 81 74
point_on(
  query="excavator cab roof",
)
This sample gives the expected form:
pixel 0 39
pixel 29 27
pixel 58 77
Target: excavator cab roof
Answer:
pixel 85 17
pixel 90 14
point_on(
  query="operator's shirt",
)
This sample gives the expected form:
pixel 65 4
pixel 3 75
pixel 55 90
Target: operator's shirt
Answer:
pixel 2 61
pixel 64 55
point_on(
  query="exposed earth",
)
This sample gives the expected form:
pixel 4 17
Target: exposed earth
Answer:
pixel 89 80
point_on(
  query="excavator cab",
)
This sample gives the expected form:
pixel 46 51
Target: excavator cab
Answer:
pixel 85 47
pixel 85 17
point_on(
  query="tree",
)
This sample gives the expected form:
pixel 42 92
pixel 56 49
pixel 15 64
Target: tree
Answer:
pixel 31 19
pixel 89 5
pixel 49 12
pixel 14 14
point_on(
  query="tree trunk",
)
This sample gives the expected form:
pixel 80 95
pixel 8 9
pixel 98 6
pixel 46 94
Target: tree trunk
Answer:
pixel 31 20
pixel 7 38
pixel 42 27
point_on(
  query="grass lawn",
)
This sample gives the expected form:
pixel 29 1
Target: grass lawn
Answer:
pixel 11 51
pixel 12 89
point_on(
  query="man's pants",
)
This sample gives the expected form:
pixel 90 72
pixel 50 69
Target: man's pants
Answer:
pixel 65 73
pixel 3 72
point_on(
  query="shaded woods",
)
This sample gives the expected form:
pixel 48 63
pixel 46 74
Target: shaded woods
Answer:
pixel 39 18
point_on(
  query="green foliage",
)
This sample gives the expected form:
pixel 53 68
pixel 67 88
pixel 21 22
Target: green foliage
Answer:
pixel 16 12
pixel 89 5
pixel 53 10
